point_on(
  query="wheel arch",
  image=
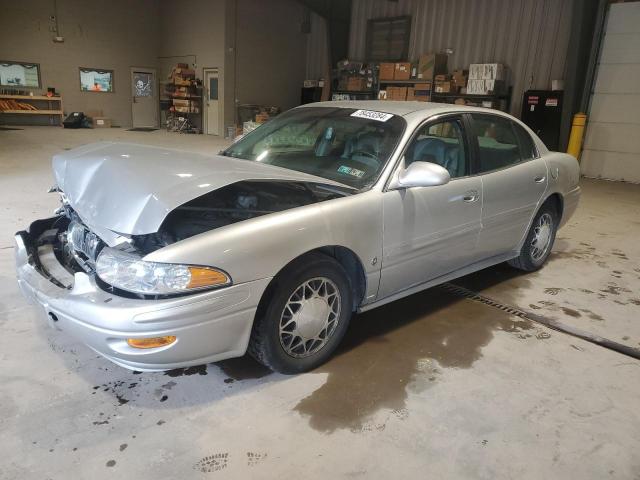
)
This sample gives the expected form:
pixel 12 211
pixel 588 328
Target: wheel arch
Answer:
pixel 557 201
pixel 346 257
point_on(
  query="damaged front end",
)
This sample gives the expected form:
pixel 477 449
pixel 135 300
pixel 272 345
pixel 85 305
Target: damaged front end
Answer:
pixel 116 260
pixel 234 203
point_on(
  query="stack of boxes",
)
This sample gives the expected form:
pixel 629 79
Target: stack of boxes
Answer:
pixel 423 73
pixel 185 97
pixel 486 79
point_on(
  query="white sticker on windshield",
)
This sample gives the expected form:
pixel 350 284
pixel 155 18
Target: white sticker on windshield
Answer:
pixel 371 115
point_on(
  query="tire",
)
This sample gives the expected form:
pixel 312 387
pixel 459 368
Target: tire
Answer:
pixel 533 255
pixel 312 301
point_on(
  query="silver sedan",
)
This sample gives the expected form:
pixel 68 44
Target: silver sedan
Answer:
pixel 159 259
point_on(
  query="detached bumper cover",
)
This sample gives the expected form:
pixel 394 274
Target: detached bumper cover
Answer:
pixel 209 326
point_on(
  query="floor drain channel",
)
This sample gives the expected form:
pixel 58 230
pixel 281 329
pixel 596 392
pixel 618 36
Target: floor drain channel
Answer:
pixel 548 322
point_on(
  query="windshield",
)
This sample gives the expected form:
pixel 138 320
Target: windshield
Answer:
pixel 345 145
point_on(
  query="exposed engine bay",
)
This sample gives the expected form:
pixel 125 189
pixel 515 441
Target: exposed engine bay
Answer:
pixel 77 247
pixel 234 203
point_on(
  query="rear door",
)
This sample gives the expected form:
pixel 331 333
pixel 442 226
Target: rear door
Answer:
pixel 431 231
pixel 514 178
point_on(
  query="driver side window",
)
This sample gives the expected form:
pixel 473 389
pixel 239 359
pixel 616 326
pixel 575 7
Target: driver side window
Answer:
pixel 441 143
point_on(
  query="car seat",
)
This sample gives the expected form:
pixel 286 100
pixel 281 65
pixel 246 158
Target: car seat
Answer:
pixel 370 143
pixel 436 151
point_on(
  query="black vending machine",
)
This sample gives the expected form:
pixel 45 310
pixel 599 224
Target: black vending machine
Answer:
pixel 542 112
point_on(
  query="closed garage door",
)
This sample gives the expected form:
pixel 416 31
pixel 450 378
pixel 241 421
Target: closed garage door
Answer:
pixel 612 143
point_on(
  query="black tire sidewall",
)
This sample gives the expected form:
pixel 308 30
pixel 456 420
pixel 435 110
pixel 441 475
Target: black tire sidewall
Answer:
pixel 526 254
pixel 272 351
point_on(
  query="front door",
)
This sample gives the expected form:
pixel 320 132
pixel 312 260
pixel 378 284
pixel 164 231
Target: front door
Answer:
pixel 514 179
pixel 432 231
pixel 144 95
pixel 212 101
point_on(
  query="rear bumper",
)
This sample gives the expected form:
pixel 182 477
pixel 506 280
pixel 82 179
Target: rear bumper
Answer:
pixel 209 326
pixel 571 200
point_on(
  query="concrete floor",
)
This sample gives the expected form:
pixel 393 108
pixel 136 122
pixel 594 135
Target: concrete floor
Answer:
pixel 432 386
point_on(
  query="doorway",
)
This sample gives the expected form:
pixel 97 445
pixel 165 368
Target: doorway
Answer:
pixel 144 97
pixel 212 101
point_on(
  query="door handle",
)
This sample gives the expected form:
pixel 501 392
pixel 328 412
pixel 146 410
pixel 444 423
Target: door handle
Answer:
pixel 470 196
pixel 539 179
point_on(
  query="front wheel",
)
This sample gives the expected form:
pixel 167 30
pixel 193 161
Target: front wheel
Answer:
pixel 539 242
pixel 306 316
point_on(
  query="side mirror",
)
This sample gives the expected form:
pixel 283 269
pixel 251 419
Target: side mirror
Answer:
pixel 420 174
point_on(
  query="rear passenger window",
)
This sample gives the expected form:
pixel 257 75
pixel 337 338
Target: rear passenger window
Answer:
pixel 497 142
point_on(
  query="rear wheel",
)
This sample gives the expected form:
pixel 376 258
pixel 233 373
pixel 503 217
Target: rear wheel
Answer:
pixel 539 242
pixel 305 316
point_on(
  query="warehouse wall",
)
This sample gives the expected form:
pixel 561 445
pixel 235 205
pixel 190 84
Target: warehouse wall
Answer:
pixel 194 33
pixel 317 49
pixel 529 36
pixel 612 142
pixel 119 35
pixel 270 52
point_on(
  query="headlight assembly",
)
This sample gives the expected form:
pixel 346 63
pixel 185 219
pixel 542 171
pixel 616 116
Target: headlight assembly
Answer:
pixel 129 272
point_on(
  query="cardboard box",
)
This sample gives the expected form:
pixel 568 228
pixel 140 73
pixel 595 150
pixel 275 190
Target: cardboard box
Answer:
pixel 100 122
pixel 486 71
pixel 460 78
pixel 181 81
pixel 382 95
pixel 402 71
pixel 180 103
pixel 356 84
pixel 410 94
pixel 262 117
pixel 184 72
pixel 396 93
pixel 485 87
pixel 431 64
pixel 387 71
pixel 442 86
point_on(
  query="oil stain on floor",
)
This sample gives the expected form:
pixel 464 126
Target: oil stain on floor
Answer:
pixel 386 349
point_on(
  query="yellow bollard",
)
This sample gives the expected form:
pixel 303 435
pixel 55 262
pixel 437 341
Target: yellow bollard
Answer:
pixel 577 134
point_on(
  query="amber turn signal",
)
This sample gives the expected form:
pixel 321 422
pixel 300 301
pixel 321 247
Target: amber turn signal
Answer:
pixel 151 342
pixel 206 277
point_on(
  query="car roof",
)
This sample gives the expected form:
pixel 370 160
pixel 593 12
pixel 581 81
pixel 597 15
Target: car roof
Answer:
pixel 417 111
pixel 401 108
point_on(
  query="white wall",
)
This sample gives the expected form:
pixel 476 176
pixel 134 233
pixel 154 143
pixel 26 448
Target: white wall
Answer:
pixel 117 36
pixel 612 141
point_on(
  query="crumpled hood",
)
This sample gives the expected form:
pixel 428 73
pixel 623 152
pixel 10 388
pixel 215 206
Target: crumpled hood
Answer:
pixel 130 189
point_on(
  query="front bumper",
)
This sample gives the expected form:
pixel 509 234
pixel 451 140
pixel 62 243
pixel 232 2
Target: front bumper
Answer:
pixel 209 326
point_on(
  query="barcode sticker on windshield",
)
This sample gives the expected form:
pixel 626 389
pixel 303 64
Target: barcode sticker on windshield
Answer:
pixel 371 115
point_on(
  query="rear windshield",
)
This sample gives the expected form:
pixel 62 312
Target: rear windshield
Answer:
pixel 345 145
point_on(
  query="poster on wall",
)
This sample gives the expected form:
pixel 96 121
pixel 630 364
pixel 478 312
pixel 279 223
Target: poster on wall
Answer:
pixel 96 80
pixel 16 74
pixel 142 82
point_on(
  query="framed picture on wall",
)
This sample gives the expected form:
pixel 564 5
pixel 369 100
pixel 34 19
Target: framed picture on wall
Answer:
pixel 19 74
pixel 96 80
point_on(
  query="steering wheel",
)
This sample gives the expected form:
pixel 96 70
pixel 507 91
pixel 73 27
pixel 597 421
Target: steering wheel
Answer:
pixel 364 153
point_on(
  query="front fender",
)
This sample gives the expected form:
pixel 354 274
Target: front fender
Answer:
pixel 260 247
